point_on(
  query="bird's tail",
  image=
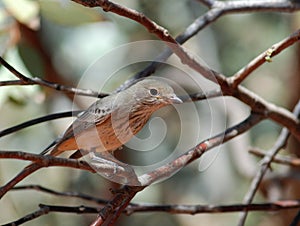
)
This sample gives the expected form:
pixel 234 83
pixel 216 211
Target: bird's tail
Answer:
pixel 50 149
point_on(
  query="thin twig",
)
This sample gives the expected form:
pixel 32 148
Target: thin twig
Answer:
pixel 24 80
pixel 10 130
pixel 45 209
pixel 264 57
pixel 173 209
pixel 37 121
pixel 179 208
pixel 199 209
pixel 265 164
pixel 63 194
pixel 294 162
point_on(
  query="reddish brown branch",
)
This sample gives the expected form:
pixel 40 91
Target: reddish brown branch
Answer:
pixel 40 162
pixel 264 57
pixel 115 207
pixel 199 150
pixel 218 9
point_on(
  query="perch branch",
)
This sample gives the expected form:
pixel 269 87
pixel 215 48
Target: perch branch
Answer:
pixel 40 161
pixel 178 163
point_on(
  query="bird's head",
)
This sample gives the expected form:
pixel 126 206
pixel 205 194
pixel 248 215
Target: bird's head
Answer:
pixel 152 91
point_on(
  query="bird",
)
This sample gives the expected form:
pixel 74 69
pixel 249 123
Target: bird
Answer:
pixel 113 120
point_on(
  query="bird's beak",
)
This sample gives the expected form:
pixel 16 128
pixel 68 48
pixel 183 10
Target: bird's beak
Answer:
pixel 175 100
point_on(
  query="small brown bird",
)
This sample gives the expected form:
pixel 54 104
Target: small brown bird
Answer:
pixel 113 120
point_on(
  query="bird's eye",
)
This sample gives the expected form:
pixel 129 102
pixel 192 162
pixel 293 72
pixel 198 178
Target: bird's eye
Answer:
pixel 153 92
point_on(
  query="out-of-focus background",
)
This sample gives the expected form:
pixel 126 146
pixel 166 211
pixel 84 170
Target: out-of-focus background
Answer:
pixel 59 40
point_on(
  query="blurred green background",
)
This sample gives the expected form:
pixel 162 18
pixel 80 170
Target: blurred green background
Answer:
pixel 59 40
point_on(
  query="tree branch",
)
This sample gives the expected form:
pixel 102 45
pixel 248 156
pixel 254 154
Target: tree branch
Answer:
pixel 218 9
pixel 197 151
pixel 178 163
pixel 40 162
pixel 289 161
pixel 173 209
pixel 264 57
pixel 62 194
pixel 37 121
pixel 265 164
pixel 24 80
pixel 257 104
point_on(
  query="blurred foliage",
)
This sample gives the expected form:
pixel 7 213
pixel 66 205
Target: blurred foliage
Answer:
pixel 71 37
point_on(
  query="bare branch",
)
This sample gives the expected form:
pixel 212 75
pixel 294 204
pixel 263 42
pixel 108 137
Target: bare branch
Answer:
pixel 256 6
pixel 40 162
pixel 174 209
pixel 294 162
pixel 37 121
pixel 45 209
pixel 63 194
pixel 264 57
pixel 176 164
pixel 199 150
pixel 265 164
pixel 257 104
pixel 146 179
pixel 24 80
pixel 116 206
pixel 199 209
pixel 191 97
pixel 218 9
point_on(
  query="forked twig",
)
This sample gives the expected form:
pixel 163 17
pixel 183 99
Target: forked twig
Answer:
pixel 265 164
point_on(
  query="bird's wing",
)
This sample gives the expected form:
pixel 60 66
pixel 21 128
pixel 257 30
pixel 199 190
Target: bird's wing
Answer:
pixel 96 114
